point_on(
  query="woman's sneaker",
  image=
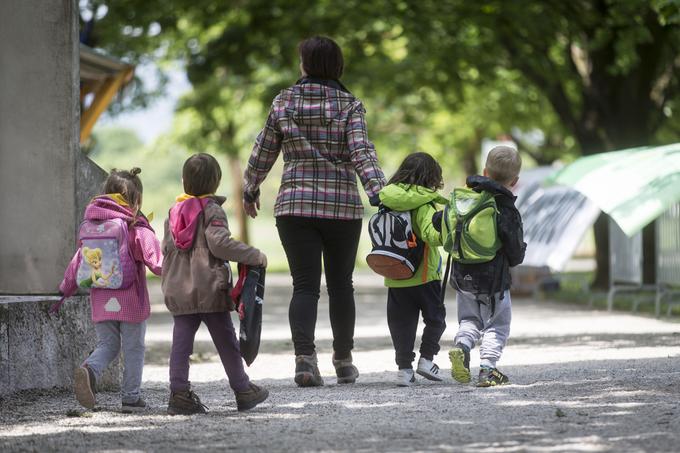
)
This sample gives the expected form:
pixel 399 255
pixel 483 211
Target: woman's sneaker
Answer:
pixel 406 377
pixel 250 398
pixel 84 383
pixel 345 370
pixel 428 370
pixel 185 403
pixel 490 377
pixel 137 406
pixel 460 363
pixel 307 371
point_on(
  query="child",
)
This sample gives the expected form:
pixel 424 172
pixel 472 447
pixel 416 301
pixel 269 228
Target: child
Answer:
pixel 119 314
pixel 483 290
pixel 196 284
pixel 414 188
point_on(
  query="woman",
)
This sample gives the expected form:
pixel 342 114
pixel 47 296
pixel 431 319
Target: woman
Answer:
pixel 319 127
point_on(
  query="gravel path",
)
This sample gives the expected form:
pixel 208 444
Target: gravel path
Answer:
pixel 582 380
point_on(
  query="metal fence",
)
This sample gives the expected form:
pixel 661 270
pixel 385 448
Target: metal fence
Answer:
pixel 668 257
pixel 625 261
pixel 626 258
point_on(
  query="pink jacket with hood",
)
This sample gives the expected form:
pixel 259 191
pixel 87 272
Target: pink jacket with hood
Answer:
pixel 129 304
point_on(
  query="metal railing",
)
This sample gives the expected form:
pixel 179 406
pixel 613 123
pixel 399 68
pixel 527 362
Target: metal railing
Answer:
pixel 668 258
pixel 626 268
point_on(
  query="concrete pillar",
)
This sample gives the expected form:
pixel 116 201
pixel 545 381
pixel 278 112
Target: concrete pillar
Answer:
pixel 45 182
pixel 39 89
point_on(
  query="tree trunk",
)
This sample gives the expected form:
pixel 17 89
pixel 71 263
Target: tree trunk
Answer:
pixel 591 143
pixel 649 254
pixel 237 191
pixel 601 230
pixel 471 153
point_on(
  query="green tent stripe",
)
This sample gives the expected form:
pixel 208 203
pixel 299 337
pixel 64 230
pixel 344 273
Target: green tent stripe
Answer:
pixel 633 186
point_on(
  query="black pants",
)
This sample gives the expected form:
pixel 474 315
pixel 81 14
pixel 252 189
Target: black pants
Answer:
pixel 305 240
pixel 403 308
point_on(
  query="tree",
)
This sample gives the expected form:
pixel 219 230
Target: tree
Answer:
pixel 609 69
pixel 592 75
pixel 213 114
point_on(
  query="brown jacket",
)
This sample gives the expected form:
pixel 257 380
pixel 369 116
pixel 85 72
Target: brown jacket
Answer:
pixel 196 279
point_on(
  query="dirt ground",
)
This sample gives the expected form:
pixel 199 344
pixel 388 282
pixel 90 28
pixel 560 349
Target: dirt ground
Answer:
pixel 581 380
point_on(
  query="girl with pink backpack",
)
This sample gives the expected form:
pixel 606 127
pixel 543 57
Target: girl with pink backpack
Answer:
pixel 115 243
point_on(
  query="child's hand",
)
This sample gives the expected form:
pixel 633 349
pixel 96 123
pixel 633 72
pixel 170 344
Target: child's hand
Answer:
pixel 263 260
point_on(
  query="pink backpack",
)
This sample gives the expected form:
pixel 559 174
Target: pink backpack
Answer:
pixel 106 259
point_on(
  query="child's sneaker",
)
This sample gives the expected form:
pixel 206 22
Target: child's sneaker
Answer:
pixel 428 369
pixel 307 371
pixel 345 370
pixel 490 377
pixel 84 383
pixel 137 406
pixel 185 403
pixel 406 377
pixel 460 363
pixel 251 397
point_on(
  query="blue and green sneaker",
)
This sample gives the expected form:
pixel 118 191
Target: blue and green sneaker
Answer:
pixel 491 377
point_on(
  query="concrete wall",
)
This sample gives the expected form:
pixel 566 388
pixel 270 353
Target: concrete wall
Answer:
pixel 39 90
pixel 39 350
pixel 45 183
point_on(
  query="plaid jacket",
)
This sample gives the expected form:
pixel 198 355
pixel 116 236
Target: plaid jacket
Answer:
pixel 320 129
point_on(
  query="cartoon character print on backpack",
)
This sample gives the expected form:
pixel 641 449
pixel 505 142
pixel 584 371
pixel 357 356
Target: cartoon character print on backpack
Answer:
pixel 106 260
pixel 91 266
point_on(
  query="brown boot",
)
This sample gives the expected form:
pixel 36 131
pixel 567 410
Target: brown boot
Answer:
pixel 307 371
pixel 84 383
pixel 185 403
pixel 345 370
pixel 250 398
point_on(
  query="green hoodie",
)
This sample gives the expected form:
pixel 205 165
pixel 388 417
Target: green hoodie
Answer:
pixel 420 201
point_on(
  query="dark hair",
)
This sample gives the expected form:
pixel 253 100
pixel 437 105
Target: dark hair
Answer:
pixel 321 57
pixel 201 174
pixel 126 183
pixel 419 169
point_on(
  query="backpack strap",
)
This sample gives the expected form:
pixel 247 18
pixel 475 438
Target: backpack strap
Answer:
pixel 457 234
pixel 136 255
pixel 54 309
pixel 492 295
pixel 445 280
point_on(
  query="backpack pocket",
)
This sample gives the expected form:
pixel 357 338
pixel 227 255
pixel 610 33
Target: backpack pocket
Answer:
pixel 469 228
pixel 99 265
pixel 106 261
pixel 397 251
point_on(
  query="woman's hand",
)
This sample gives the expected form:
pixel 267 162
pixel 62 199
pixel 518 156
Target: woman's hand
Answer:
pixel 251 208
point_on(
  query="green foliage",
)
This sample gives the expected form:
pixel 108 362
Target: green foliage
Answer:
pixel 436 75
pixel 161 165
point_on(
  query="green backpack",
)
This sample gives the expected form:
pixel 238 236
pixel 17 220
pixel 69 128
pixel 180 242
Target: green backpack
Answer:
pixel 469 226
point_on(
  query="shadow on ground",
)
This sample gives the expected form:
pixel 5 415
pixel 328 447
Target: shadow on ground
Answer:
pixel 605 406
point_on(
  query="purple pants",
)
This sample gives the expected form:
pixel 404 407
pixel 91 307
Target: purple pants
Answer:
pixel 224 337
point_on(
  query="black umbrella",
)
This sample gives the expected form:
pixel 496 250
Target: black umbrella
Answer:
pixel 248 295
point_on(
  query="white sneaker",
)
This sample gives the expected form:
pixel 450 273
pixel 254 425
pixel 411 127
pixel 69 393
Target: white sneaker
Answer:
pixel 406 377
pixel 429 370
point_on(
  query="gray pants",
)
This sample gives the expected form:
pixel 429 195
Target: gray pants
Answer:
pixel 475 322
pixel 110 336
